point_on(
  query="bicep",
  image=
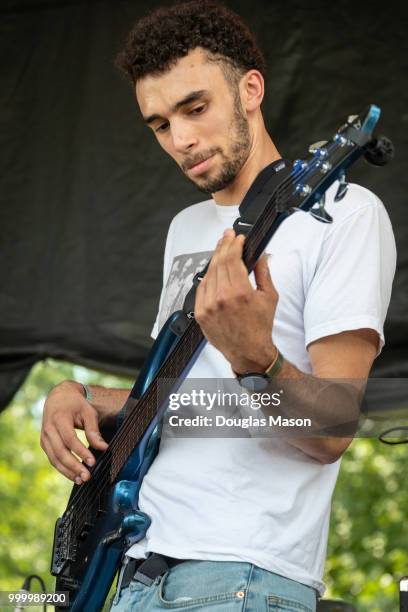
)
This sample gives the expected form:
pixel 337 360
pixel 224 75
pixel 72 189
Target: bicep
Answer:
pixel 344 356
pixel 349 354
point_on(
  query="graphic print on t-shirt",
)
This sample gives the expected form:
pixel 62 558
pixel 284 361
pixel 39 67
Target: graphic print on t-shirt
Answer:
pixel 183 269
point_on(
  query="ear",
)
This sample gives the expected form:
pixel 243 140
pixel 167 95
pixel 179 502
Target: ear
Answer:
pixel 252 90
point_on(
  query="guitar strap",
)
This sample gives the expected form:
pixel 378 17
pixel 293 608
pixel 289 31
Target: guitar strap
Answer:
pixel 261 191
pixel 254 202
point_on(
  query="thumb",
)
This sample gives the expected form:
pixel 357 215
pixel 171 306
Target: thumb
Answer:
pixel 92 432
pixel 262 274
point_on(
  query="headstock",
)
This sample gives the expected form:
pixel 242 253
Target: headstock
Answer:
pixel 328 161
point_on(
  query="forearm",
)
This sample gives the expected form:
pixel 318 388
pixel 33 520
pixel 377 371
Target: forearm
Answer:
pixel 331 405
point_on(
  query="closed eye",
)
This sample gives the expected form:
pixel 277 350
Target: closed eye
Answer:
pixel 197 110
pixel 194 111
pixel 163 127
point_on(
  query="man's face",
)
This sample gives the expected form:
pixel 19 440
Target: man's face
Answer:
pixel 197 119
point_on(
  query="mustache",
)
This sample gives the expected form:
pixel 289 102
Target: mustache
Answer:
pixel 192 160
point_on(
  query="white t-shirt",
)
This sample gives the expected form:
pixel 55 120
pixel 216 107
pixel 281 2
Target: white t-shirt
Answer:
pixel 260 500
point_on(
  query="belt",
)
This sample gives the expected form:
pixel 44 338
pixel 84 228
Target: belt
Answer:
pixel 145 570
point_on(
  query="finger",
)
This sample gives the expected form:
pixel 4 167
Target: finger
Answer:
pixel 222 246
pixel 91 427
pixel 45 445
pixel 67 473
pixel 237 270
pixel 223 278
pixel 200 296
pixel 227 239
pixel 74 444
pixel 219 273
pixel 63 459
pixel 210 278
pixel 215 279
pixel 262 274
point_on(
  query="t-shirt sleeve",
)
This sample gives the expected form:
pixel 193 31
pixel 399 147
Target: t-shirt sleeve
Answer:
pixel 351 285
pixel 166 270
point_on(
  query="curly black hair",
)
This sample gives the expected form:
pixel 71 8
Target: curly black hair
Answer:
pixel 159 39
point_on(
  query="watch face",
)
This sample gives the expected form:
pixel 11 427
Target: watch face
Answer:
pixel 254 382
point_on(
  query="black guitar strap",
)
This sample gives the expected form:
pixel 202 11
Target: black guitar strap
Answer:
pixel 254 202
pixel 261 191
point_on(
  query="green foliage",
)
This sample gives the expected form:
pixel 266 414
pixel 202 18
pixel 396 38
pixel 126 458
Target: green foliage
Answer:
pixel 32 493
pixel 368 543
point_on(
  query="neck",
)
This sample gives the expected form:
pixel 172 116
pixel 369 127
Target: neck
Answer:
pixel 263 152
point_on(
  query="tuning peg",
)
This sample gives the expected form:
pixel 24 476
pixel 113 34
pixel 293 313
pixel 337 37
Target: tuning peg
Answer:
pixel 354 119
pixel 299 164
pixel 342 189
pixel 319 212
pixel 340 140
pixel 379 151
pixel 317 146
pixel 303 190
pixel 325 167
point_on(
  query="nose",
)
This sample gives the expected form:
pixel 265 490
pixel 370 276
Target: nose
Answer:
pixel 183 136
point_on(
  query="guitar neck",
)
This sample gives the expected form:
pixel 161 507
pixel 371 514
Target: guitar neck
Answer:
pixel 154 401
pixel 301 190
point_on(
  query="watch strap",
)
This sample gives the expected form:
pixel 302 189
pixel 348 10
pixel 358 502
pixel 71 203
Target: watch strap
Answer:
pixel 271 370
pixel 276 364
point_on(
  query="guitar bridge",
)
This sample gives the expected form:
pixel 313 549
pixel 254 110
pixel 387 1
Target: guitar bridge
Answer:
pixel 64 548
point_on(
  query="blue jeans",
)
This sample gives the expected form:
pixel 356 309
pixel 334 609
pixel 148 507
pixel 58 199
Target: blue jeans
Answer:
pixel 218 586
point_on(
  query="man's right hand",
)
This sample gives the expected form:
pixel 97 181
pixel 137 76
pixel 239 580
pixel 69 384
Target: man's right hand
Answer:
pixel 66 409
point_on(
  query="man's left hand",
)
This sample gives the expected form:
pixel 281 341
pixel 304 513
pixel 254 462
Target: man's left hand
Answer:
pixel 234 317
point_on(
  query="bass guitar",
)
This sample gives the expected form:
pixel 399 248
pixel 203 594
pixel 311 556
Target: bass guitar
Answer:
pixel 102 518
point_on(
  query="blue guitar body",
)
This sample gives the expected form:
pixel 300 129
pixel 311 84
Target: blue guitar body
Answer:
pixel 102 518
pixel 121 524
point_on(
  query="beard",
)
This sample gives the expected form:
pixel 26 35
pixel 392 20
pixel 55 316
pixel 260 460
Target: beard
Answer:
pixel 232 163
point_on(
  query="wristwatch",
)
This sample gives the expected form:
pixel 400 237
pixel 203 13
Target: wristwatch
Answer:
pixel 258 381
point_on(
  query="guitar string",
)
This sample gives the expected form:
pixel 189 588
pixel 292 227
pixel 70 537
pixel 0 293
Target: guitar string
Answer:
pixel 139 427
pixel 266 218
pixel 134 425
pixel 71 521
pixel 288 180
pixel 93 483
pixel 94 475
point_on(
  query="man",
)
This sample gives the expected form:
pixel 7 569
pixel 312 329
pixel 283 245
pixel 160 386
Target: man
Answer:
pixel 248 517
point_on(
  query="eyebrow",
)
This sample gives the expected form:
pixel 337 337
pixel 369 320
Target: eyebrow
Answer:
pixel 191 97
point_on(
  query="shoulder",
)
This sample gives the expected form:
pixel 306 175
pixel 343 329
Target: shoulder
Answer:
pixel 357 200
pixel 360 213
pixel 360 210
